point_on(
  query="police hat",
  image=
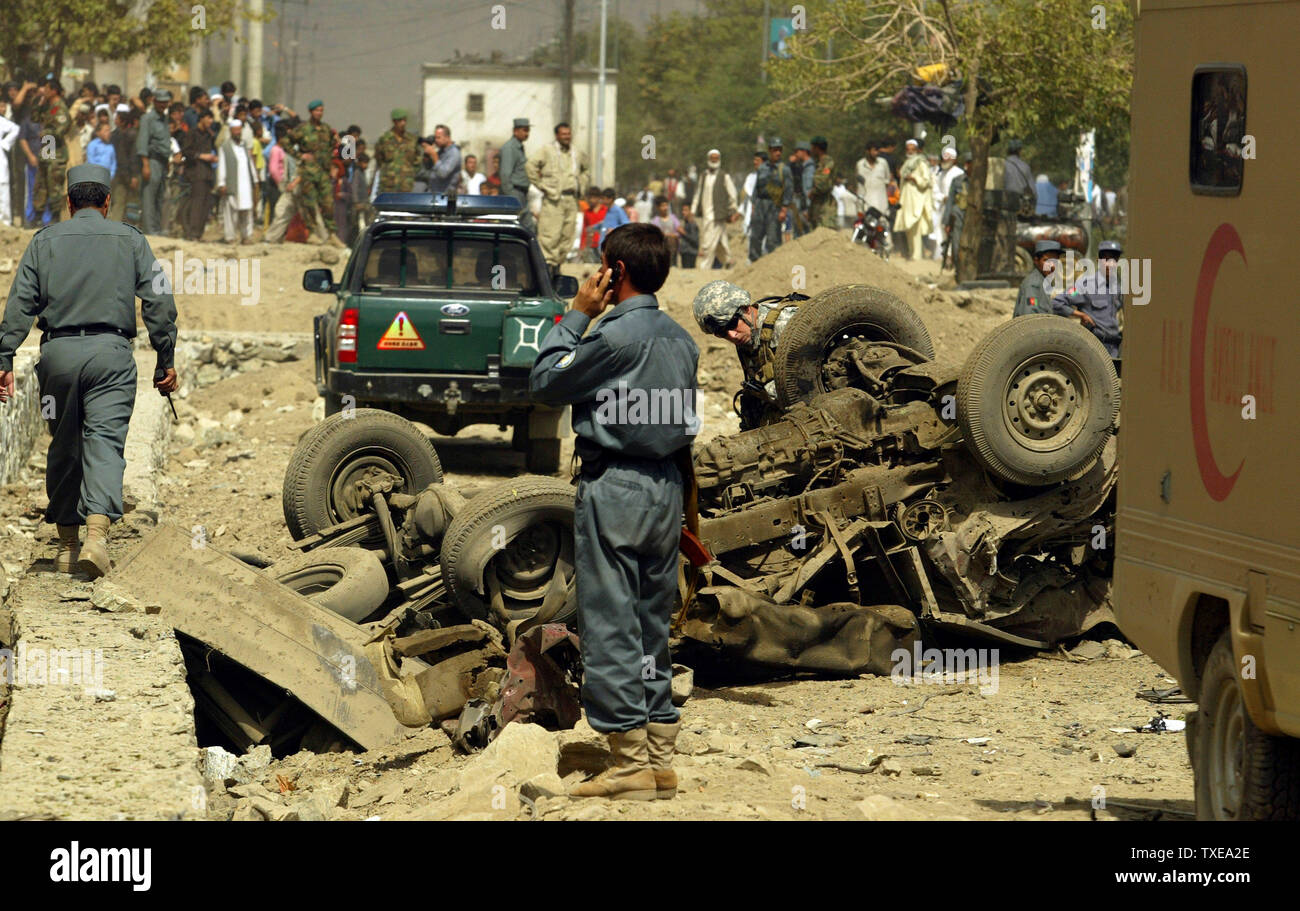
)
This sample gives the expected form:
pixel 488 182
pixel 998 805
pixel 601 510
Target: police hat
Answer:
pixel 1110 246
pixel 1046 246
pixel 775 143
pixel 522 122
pixel 89 173
pixel 802 147
pixel 162 95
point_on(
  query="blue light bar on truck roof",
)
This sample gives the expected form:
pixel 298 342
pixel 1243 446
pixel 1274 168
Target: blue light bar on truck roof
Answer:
pixel 446 204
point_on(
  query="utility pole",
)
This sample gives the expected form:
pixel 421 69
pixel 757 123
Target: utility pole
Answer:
pixel 566 65
pixel 237 48
pixel 256 9
pixel 600 97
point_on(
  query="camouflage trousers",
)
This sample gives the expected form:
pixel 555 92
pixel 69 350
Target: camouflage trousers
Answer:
pixel 51 187
pixel 316 194
pixel 824 214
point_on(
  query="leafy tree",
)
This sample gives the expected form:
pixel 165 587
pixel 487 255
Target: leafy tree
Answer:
pixel 38 36
pixel 1041 68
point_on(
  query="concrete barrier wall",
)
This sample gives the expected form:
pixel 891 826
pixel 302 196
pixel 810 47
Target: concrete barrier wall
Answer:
pixel 20 419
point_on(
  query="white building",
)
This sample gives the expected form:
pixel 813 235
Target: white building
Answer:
pixel 480 102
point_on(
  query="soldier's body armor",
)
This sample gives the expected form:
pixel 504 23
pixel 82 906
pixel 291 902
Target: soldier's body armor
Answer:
pixel 756 401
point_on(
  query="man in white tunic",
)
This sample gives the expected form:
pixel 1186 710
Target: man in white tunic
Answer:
pixel 948 172
pixel 236 180
pixel 8 136
pixel 715 207
pixel 914 219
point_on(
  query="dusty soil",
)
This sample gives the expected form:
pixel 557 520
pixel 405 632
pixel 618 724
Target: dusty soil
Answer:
pixel 1039 746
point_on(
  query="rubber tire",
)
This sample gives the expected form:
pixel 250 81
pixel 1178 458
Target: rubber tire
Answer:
pixel 1024 260
pixel 542 456
pixel 1270 766
pixel 798 362
pixel 985 375
pixel 350 581
pixel 320 452
pixel 470 535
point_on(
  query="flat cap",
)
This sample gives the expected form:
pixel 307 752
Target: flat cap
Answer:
pixel 522 122
pixel 399 114
pixel 1046 246
pixel 89 173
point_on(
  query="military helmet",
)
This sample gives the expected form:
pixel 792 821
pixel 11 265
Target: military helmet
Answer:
pixel 717 303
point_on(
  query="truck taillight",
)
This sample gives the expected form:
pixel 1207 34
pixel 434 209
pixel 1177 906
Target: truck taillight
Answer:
pixel 347 348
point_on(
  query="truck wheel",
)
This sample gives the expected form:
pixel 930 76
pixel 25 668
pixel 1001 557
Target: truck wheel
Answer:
pixel 542 456
pixel 833 317
pixel 350 581
pixel 1037 399
pixel 319 484
pixel 1241 772
pixel 516 536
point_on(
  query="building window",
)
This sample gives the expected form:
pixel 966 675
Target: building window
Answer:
pixel 475 106
pixel 1218 128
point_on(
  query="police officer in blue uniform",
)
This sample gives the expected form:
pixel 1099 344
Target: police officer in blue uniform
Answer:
pixel 79 280
pixel 1095 299
pixel 773 196
pixel 631 382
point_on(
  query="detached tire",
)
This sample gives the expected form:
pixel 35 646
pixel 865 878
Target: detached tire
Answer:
pixel 350 581
pixel 533 517
pixel 820 324
pixel 1037 399
pixel 1241 772
pixel 342 449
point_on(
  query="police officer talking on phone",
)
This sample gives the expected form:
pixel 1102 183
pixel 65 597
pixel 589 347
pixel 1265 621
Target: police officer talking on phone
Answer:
pixel 79 280
pixel 631 382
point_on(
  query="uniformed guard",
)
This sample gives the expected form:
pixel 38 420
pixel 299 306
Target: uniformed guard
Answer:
pixel 1033 297
pixel 1095 299
pixel 514 172
pixel 773 196
pixel 52 168
pixel 153 146
pixel 559 170
pixel 726 311
pixel 312 143
pixel 823 212
pixel 801 170
pixel 79 280
pixel 398 155
pixel 631 382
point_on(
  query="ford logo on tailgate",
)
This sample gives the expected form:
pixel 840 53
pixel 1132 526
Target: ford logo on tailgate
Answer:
pixel 455 309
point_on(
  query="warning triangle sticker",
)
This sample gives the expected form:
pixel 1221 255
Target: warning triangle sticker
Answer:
pixel 401 335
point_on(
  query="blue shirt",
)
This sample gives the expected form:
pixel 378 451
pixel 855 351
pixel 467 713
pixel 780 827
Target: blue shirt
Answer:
pixel 616 217
pixel 446 170
pixel 102 153
pixel 631 380
pixel 1047 198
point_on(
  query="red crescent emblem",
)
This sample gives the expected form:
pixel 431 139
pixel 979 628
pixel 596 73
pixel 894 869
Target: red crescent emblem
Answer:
pixel 1225 240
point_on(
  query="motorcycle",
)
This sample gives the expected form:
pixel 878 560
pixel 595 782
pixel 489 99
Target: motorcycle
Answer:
pixel 869 230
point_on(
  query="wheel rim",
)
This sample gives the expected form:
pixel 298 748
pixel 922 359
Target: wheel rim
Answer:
pixel 1042 404
pixel 528 564
pixel 313 580
pixel 375 463
pixel 868 332
pixel 1227 748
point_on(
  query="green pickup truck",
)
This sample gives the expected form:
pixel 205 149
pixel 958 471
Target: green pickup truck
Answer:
pixel 438 316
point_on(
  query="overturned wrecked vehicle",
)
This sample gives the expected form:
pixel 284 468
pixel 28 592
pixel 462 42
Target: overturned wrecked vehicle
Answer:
pixel 890 498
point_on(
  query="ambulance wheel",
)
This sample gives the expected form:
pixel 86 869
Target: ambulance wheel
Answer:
pixel 320 484
pixel 1037 399
pixel 828 321
pixel 1241 772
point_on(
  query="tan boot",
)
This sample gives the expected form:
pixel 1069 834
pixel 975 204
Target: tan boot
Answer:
pixel 630 778
pixel 65 560
pixel 661 741
pixel 94 553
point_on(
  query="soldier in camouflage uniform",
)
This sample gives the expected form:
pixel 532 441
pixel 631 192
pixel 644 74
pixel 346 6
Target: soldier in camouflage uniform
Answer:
pixel 312 143
pixel 52 116
pixel 822 208
pixel 398 155
pixel 754 327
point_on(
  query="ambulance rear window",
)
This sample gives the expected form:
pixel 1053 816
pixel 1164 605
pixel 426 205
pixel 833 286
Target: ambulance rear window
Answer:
pixel 1218 129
